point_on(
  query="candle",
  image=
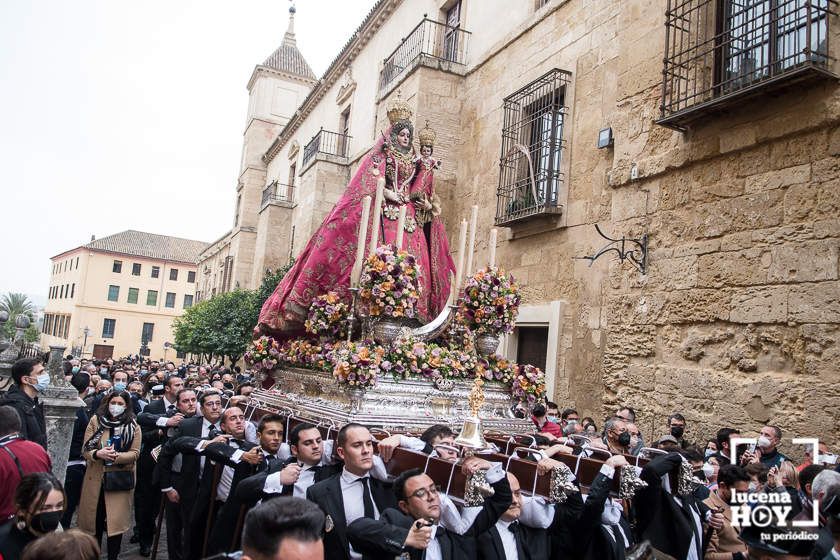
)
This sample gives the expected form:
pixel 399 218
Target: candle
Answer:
pixel 401 227
pixel 471 250
pixel 377 214
pixel 492 246
pixel 453 290
pixel 356 272
pixel 462 242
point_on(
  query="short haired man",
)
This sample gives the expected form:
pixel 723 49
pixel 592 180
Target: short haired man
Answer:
pixel 288 528
pixel 552 411
pixel 676 427
pixel 438 440
pixel 724 444
pixel 410 528
pixel 543 425
pixel 826 483
pixel 294 475
pixel 725 542
pixel 18 457
pixel 570 422
pixel 29 380
pixel 768 441
pixel 353 493
pixel 616 436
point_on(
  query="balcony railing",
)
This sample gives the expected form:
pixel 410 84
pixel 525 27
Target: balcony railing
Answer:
pixel 430 39
pixel 326 142
pixel 278 193
pixel 719 51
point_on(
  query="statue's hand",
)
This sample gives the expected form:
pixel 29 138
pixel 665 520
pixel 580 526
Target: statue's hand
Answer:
pixel 392 196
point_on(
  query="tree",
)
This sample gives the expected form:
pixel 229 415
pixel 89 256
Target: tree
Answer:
pixel 18 304
pixel 223 325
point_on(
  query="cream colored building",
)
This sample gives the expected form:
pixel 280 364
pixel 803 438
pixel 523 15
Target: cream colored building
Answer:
pixel 706 130
pixel 107 296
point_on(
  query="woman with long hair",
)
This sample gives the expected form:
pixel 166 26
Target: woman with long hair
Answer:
pixel 111 449
pixel 39 505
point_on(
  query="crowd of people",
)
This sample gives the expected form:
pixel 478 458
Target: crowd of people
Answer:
pixel 169 451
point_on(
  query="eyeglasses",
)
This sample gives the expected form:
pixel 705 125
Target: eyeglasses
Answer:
pixel 213 404
pixel 421 493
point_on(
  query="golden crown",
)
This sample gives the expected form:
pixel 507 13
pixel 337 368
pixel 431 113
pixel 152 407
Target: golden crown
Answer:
pixel 398 110
pixel 427 136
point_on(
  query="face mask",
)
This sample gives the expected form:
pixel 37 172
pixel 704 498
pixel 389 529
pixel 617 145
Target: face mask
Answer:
pixel 119 386
pixel 700 474
pixel 624 439
pixel 827 459
pixel 611 514
pixel 552 419
pixel 103 370
pixel 116 409
pixel 230 386
pixel 677 431
pixel 701 493
pixel 709 453
pixel 42 382
pixel 764 442
pixel 75 369
pixel 144 371
pixel 708 469
pixel 46 522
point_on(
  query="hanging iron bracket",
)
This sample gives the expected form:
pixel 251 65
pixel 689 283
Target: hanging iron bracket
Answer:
pixel 627 249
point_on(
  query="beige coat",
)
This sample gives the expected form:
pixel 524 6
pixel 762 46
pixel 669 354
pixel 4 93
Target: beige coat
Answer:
pixel 118 505
pixel 724 541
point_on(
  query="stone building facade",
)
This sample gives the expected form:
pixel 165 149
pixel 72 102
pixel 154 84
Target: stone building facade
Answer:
pixel 726 159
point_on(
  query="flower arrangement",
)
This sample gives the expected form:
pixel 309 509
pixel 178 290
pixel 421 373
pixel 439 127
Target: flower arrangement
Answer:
pixel 303 353
pixel 389 284
pixel 263 355
pixel 528 384
pixel 358 363
pixel 497 368
pixel 491 302
pixel 409 357
pixel 327 317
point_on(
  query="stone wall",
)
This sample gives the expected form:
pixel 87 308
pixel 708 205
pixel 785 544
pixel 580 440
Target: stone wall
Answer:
pixel 737 320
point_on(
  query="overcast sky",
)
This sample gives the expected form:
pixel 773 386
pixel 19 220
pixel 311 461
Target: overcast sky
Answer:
pixel 120 115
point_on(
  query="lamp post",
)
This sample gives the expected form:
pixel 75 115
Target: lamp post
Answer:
pixel 84 344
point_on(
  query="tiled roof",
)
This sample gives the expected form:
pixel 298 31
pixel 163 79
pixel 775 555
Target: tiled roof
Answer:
pixel 151 245
pixel 287 58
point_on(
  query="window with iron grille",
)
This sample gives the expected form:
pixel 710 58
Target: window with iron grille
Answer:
pixel 191 277
pixel 148 332
pixel 135 269
pixel 721 50
pixel 117 267
pixel 531 176
pixel 170 299
pixel 173 274
pixel 155 271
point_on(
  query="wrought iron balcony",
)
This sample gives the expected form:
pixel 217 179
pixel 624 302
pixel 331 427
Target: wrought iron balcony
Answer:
pixel 326 142
pixel 278 193
pixel 717 52
pixel 429 39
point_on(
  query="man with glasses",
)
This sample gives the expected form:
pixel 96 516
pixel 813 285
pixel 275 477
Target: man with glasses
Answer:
pixel 415 527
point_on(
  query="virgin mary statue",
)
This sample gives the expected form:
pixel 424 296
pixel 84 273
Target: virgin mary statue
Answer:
pixel 324 264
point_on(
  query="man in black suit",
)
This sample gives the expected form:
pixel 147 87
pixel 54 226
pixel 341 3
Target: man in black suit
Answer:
pixel 671 522
pixel 293 476
pixel 180 473
pixel 158 417
pixel 351 494
pixel 414 529
pixel 603 532
pixel 225 534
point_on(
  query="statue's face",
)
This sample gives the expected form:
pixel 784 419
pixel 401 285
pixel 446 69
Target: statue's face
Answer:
pixel 404 138
pixel 426 151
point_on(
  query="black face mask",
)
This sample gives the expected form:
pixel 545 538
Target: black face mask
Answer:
pixel 624 439
pixel 229 386
pixel 46 522
pixel 701 493
pixel 700 474
pixel 677 431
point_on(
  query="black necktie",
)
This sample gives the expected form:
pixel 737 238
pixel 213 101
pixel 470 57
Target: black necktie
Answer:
pixel 370 513
pixel 170 409
pixel 517 537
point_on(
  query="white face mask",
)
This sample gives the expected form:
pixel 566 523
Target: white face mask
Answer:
pixel 611 514
pixel 708 469
pixel 116 409
pixel 764 442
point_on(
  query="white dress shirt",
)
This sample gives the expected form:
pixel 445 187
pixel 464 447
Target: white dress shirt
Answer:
pixel 508 540
pixel 161 422
pixel 352 489
pixel 433 551
pixel 306 478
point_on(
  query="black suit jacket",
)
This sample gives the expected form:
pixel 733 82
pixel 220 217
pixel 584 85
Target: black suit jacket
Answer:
pixel 327 494
pixel 187 483
pixel 668 526
pixel 593 542
pixel 384 538
pixel 535 544
pixel 250 490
